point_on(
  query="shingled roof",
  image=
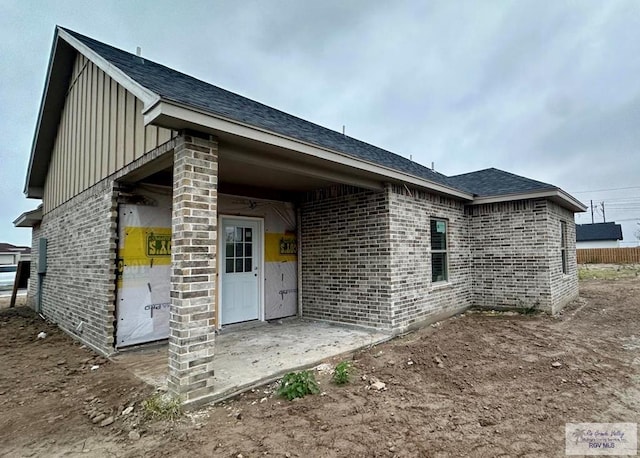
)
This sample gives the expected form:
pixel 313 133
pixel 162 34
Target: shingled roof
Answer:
pixel 173 85
pixel 157 84
pixel 494 182
pixel 598 231
pixel 9 248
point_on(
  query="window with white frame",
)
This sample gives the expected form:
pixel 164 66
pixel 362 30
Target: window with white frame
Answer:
pixel 439 261
pixel 563 245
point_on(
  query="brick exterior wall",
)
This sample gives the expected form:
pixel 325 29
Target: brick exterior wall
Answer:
pixel 366 257
pixel 516 258
pixel 346 263
pixel 78 290
pixel 193 276
pixel 414 297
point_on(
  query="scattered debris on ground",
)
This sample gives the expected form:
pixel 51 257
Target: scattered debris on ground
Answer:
pixel 482 384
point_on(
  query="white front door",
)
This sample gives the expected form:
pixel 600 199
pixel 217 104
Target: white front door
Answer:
pixel 241 267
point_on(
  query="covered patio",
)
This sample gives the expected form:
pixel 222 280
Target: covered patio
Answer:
pixel 219 185
pixel 252 354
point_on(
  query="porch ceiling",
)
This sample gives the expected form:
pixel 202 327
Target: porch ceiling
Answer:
pixel 246 162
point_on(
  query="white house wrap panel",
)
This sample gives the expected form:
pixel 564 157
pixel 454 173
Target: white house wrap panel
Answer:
pixel 144 265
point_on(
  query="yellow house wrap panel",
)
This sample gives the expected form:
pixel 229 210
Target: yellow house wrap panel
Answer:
pixel 280 247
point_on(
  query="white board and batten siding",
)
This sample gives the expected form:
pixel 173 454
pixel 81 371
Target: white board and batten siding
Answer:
pixel 101 130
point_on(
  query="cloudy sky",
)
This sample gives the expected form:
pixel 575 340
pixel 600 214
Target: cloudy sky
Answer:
pixel 549 90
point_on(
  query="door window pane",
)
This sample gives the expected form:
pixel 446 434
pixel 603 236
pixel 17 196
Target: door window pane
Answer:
pixel 238 249
pixel 229 231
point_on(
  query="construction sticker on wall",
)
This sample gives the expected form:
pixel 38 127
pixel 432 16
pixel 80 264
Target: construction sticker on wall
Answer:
pixel 144 260
pixel 288 244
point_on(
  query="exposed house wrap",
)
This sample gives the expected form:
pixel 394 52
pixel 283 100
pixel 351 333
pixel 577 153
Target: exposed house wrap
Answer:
pixel 144 269
pixel 144 261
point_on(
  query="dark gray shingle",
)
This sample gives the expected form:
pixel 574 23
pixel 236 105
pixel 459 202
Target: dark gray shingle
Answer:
pixel 494 182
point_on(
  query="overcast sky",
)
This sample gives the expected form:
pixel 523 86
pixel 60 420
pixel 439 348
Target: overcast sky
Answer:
pixel 546 89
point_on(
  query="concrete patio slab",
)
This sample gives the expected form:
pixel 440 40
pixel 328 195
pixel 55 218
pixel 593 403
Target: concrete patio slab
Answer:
pixel 252 354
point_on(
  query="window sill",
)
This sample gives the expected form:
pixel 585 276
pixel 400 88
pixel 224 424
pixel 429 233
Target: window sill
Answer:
pixel 441 285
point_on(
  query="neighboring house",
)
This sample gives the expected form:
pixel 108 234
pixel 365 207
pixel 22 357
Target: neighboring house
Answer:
pixel 11 254
pixel 172 207
pixel 598 235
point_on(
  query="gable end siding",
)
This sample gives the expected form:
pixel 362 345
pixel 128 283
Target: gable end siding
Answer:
pixel 101 130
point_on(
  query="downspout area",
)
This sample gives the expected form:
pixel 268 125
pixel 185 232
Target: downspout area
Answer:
pixel 42 270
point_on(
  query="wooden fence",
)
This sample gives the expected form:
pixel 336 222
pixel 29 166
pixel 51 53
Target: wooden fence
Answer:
pixel 608 255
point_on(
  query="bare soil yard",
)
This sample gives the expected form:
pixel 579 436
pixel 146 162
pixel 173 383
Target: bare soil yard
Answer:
pixel 481 384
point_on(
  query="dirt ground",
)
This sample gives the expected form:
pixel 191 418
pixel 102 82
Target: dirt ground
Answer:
pixel 480 384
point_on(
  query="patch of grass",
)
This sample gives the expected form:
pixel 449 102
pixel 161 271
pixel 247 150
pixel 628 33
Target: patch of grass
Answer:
pixel 608 272
pixel 298 385
pixel 342 373
pixel 161 406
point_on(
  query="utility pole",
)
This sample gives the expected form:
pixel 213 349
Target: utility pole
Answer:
pixel 592 221
pixel 604 219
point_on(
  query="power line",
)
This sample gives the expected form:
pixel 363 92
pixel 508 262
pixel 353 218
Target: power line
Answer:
pixel 603 190
pixel 623 199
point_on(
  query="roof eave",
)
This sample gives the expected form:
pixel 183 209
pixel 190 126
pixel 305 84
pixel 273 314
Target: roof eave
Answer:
pixel 37 141
pixel 556 194
pixel 147 96
pixel 61 58
pixel 173 115
pixel 29 219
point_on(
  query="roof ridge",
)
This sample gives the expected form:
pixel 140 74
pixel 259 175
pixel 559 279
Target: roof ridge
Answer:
pixel 475 171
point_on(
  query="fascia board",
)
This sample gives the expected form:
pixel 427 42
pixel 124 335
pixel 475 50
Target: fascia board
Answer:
pixel 28 189
pixel 147 96
pixel 568 201
pixel 168 110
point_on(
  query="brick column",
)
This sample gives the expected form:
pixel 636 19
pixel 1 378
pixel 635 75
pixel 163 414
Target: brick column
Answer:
pixel 193 269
